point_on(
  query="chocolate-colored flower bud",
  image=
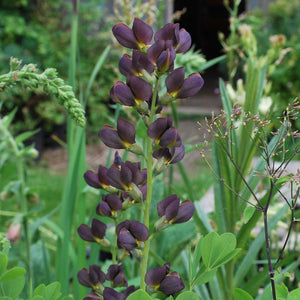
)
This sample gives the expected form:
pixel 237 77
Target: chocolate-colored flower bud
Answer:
pixel 95 233
pixel 131 234
pixel 162 54
pixel 135 93
pixel 183 40
pixel 170 155
pixel 164 133
pixel 115 274
pixel 174 211
pixel 122 137
pixel 111 294
pixel 180 87
pixel 161 279
pixel 165 33
pixel 109 205
pixel 92 278
pixel 97 180
pixel 136 38
pixel 126 176
pixel 136 64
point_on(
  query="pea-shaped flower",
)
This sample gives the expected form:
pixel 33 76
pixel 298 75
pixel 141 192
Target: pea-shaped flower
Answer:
pixel 162 280
pixel 136 64
pixel 180 37
pixel 95 233
pixel 131 234
pixel 109 205
pixel 115 274
pixel 134 93
pixel 170 155
pixel 127 177
pixel 164 133
pixel 179 87
pixel 111 294
pixel 93 278
pixel 172 211
pixel 136 38
pixel 97 180
pixel 122 137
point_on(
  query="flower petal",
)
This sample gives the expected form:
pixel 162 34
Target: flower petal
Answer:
pixel 141 89
pixel 185 41
pixel 185 212
pixel 84 277
pixel 111 138
pixel 123 94
pixel 155 276
pixel 142 31
pixel 191 86
pixel 85 233
pixel 126 131
pixel 98 228
pixel 125 36
pixel 165 33
pixel 171 285
pixel 139 231
pixel 175 80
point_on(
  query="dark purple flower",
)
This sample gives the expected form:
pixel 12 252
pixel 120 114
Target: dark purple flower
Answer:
pixel 131 234
pixel 135 93
pixel 174 211
pixel 95 233
pixel 180 87
pixel 115 274
pixel 109 205
pixel 136 38
pixel 97 180
pixel 162 54
pixel 92 278
pixel 127 176
pixel 170 155
pixel 161 279
pixel 122 137
pixel 111 294
pixel 180 38
pixel 164 133
pixel 136 64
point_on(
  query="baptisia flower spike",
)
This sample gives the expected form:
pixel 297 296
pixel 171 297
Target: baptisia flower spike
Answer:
pixel 162 280
pixel 136 38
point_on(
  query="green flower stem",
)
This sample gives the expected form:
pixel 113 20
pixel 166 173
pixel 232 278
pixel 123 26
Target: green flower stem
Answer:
pixel 149 189
pixel 23 202
pixel 115 247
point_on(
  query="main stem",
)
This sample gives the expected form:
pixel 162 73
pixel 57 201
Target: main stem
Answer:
pixel 267 239
pixel 149 190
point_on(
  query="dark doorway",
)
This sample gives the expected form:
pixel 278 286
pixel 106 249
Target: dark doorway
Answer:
pixel 204 19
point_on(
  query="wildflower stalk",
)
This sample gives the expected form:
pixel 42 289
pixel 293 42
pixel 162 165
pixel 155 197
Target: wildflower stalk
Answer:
pixel 149 189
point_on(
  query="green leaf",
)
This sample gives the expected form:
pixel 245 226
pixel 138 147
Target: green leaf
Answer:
pixel 204 276
pixel 12 283
pixel 9 118
pixel 3 263
pixel 216 250
pixel 281 292
pixel 49 292
pixel 139 295
pixel 294 295
pixel 248 213
pixel 25 135
pixel 239 294
pixel 12 274
pixel 188 296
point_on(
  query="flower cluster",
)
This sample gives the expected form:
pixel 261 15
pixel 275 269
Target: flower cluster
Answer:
pixel 125 183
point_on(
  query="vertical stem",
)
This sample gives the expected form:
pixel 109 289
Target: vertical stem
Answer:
pixel 149 190
pixel 267 239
